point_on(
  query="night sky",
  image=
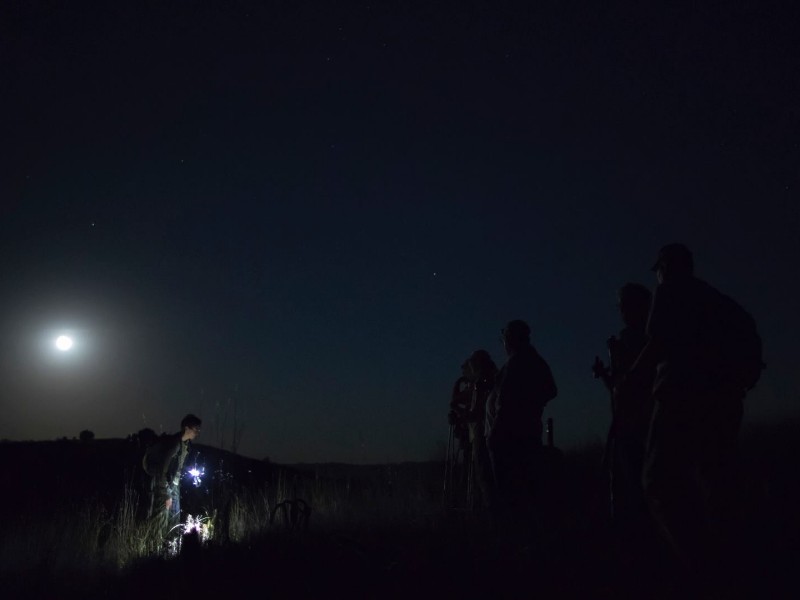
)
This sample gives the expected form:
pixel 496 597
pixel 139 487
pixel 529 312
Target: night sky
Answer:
pixel 308 214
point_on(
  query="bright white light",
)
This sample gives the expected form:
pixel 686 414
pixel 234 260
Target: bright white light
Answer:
pixel 63 343
pixel 203 525
pixel 196 475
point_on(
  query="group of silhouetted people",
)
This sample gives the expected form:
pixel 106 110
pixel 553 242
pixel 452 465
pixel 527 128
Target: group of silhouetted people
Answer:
pixel 677 375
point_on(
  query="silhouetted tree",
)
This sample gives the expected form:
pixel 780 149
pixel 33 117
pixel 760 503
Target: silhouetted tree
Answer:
pixel 86 435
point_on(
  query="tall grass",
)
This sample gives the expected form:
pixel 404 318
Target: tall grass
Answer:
pixel 82 536
pixel 132 537
pixel 97 534
pixel 248 515
pixel 91 534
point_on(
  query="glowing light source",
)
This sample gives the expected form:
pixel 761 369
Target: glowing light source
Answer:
pixel 203 525
pixel 196 475
pixel 63 343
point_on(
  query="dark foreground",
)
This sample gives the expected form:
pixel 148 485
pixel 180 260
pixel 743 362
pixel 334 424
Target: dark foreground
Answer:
pixel 403 544
pixel 409 564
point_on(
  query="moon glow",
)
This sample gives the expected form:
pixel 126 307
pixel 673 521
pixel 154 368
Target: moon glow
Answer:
pixel 63 343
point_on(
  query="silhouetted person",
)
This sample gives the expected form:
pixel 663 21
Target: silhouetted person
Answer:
pixel 631 414
pixel 460 399
pixel 459 451
pixel 482 374
pixel 164 461
pixel 514 410
pixel 625 446
pixel 707 355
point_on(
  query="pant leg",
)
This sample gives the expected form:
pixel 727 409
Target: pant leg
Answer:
pixel 720 474
pixel 174 512
pixel 629 509
pixel 482 469
pixel 671 477
pixel 514 471
pixel 166 521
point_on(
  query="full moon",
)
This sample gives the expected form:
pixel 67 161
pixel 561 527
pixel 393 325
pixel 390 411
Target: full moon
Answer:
pixel 63 343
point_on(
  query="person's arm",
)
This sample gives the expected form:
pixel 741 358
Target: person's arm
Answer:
pixel 602 372
pixel 492 404
pixel 645 363
pixel 456 397
pixel 660 325
pixel 163 481
pixel 458 402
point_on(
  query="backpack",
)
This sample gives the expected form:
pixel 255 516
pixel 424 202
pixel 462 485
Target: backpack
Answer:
pixel 148 460
pixel 155 455
pixel 738 346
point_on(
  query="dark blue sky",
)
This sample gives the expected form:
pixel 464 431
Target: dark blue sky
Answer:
pixel 315 211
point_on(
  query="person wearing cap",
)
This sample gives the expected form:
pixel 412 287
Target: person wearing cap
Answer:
pixel 692 444
pixel 513 428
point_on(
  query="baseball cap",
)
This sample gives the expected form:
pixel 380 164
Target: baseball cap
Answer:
pixel 673 253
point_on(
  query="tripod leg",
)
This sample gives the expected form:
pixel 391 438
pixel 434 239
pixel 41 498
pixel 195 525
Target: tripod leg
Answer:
pixel 448 468
pixel 470 482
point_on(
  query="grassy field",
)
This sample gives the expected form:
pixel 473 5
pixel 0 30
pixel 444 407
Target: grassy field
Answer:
pixel 74 527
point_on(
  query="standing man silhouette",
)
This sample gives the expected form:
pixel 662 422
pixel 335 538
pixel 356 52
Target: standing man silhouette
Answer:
pixel 707 354
pixel 524 385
